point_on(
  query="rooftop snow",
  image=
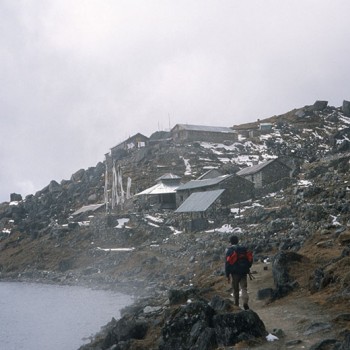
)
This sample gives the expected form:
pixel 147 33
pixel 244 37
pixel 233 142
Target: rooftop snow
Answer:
pixel 159 188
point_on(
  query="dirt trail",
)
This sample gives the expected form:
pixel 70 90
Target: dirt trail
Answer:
pixel 292 314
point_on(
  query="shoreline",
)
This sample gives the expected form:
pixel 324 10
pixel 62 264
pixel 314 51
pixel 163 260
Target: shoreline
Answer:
pixel 54 280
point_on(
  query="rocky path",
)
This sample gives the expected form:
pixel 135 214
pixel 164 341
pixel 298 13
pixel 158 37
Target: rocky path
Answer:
pixel 296 315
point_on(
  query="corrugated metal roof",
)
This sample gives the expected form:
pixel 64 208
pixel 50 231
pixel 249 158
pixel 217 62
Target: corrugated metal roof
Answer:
pixel 87 208
pixel 199 201
pixel 208 174
pixel 255 168
pixel 159 188
pixel 203 183
pixel 168 176
pixel 204 128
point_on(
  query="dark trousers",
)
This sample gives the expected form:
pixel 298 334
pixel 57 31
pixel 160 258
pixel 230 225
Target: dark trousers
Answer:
pixel 240 283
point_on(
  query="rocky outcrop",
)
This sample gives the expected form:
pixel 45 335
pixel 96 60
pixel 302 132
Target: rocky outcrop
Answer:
pixel 192 325
pixel 346 108
pixel 284 282
pixel 15 197
pixel 319 106
pixel 118 334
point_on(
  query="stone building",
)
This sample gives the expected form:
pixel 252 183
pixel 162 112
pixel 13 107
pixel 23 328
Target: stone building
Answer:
pixel 265 128
pixel 160 138
pixel 136 141
pixel 185 132
pixel 163 193
pixel 265 173
pixel 248 130
pixel 237 189
pixel 196 209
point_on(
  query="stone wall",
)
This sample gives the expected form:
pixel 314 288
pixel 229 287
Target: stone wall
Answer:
pixel 237 190
pixel 275 171
pixel 193 135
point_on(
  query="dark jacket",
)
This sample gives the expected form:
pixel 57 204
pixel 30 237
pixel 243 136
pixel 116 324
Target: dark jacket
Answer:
pixel 242 266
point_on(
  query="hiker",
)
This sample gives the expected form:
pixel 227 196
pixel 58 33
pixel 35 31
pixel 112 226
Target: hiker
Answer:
pixel 237 264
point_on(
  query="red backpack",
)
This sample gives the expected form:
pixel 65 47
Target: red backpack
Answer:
pixel 239 259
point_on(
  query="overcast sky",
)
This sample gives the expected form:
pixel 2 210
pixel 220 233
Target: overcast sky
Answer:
pixel 80 76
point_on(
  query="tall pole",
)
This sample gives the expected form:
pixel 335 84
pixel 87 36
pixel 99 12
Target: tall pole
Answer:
pixel 106 184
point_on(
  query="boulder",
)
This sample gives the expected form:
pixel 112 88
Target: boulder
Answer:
pixel 196 325
pixel 279 225
pixel 333 118
pixel 206 340
pixel 345 344
pixel 118 334
pixel 92 198
pixel 300 113
pixel 346 108
pixel 78 176
pixel 319 106
pixel 344 238
pixel 127 329
pixel 317 327
pixel 232 328
pixel 265 293
pixel 185 325
pixel 177 296
pixel 65 264
pixel 15 197
pixel 220 304
pixel 54 187
pixel 316 280
pixel 284 282
pixel 344 146
pixel 325 345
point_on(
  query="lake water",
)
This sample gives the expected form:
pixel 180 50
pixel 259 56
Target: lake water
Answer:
pixel 47 317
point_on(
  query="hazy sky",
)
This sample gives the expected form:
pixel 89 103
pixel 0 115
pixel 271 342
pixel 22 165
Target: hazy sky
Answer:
pixel 80 76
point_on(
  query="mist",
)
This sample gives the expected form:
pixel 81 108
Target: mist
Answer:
pixel 80 77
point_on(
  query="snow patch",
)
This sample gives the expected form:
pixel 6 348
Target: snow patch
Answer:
pixel 304 183
pixel 342 140
pixel 335 221
pixel 84 223
pixel 154 218
pixel 188 170
pixel 226 228
pixel 224 160
pixel 175 232
pixel 345 120
pixel 122 222
pixel 271 337
pixel 243 209
pixel 116 249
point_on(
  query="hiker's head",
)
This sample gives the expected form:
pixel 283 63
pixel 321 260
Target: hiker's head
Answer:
pixel 234 240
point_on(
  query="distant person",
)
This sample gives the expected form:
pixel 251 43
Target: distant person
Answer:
pixel 238 261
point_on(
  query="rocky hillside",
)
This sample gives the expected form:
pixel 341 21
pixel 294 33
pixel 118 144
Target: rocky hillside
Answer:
pixel 303 229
